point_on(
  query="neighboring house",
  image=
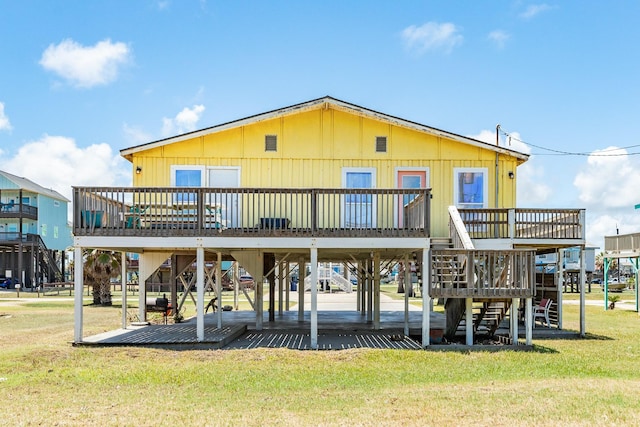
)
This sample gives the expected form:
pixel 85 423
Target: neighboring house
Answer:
pixel 571 259
pixel 329 181
pixel 34 223
pixel 625 249
pixel 547 265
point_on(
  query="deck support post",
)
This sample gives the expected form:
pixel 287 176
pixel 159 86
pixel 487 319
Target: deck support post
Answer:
pixel 287 284
pixel 368 289
pixel 302 272
pixel 314 297
pixel 528 320
pixel 376 290
pixel 199 293
pixel 469 320
pixel 583 280
pixel 561 284
pixel 123 287
pixel 280 271
pixel 259 287
pixel 236 285
pixel 426 297
pixel 78 290
pixel 513 320
pixel 360 288
pixel 142 292
pixel 173 284
pixel 635 282
pixel 219 287
pixel 407 282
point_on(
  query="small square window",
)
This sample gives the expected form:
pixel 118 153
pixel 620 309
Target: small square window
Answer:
pixel 270 143
pixel 381 144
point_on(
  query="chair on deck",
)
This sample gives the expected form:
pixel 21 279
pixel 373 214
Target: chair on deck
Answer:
pixel 133 217
pixel 542 311
pixel 8 206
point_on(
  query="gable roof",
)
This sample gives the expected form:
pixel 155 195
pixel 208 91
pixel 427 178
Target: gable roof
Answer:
pixel 22 183
pixel 337 104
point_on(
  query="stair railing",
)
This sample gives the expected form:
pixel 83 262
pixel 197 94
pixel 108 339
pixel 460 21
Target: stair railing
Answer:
pixel 458 232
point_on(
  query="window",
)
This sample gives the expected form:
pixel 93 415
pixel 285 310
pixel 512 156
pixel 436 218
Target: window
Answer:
pixel 359 210
pixel 270 143
pixel 381 144
pixel 186 176
pixel 56 204
pixel 470 187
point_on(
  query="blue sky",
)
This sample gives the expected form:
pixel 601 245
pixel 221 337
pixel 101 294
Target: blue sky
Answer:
pixel 81 80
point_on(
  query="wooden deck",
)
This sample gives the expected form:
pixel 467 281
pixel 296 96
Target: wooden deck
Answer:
pixel 344 330
pixel 313 212
pixel 340 329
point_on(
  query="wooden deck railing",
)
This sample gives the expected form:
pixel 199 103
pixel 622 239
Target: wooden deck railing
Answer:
pixel 524 223
pixel 182 211
pixel 462 273
pixel 622 244
pixel 18 210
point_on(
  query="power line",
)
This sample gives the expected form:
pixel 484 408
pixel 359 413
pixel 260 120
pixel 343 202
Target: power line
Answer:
pixel 601 153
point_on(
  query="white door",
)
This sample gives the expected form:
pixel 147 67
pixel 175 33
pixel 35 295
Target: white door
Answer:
pixel 409 178
pixel 359 210
pixel 226 203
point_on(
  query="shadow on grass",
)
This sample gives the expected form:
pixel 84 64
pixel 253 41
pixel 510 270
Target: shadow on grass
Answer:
pixel 597 337
pixel 574 336
pixel 543 349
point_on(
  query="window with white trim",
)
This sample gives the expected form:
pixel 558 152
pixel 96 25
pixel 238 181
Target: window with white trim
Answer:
pixel 470 187
pixel 187 176
pixel 359 210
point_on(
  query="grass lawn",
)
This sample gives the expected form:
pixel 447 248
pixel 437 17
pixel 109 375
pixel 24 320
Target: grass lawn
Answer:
pixel 46 381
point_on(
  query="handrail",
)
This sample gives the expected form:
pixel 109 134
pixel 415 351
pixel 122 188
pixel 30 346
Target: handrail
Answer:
pixel 195 211
pixel 459 235
pixel 524 223
pixel 477 273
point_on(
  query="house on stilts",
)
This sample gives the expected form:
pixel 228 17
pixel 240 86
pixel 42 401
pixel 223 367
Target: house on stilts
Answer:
pixel 329 181
pixel 34 233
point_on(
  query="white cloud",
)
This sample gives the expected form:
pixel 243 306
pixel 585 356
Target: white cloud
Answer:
pixel 607 178
pixel 535 9
pixel 606 186
pixel 5 124
pixel 432 36
pixel 56 162
pixel 531 188
pixel 499 38
pixel 135 135
pixel 185 121
pixel 86 66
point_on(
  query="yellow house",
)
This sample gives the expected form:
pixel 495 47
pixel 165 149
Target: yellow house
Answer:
pixel 329 181
pixel 327 143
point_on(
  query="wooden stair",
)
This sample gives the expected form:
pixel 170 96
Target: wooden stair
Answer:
pixel 487 316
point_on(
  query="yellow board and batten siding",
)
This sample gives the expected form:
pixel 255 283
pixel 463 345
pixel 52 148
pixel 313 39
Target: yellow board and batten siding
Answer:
pixel 313 147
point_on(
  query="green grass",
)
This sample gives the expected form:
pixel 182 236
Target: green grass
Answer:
pixel 44 380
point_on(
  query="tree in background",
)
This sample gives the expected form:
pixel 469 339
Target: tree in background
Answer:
pixel 99 268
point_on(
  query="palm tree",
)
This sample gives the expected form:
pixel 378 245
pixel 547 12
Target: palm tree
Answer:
pixel 99 268
pixel 600 261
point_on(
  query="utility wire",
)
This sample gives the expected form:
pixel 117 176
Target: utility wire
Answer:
pixel 601 153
